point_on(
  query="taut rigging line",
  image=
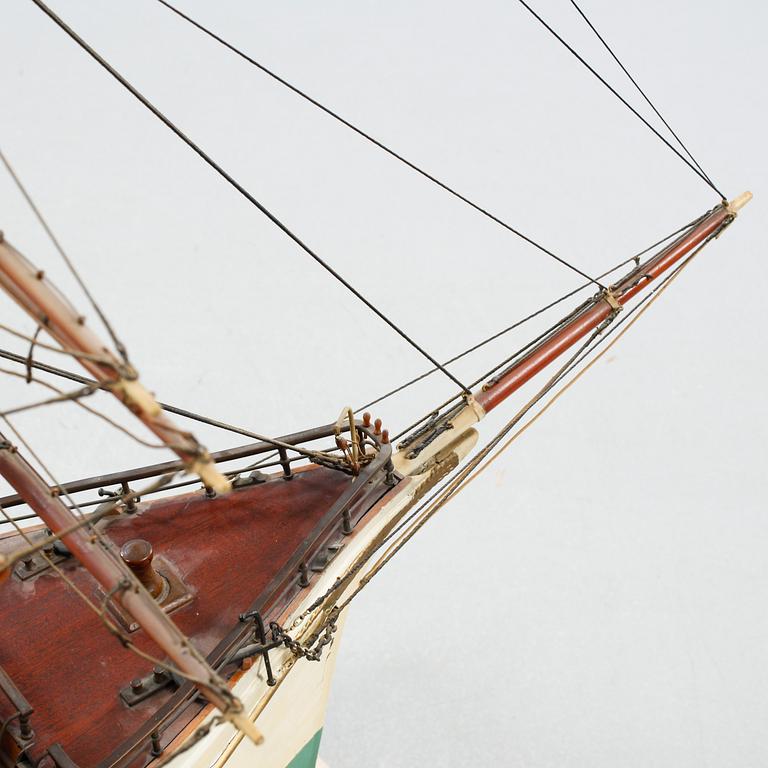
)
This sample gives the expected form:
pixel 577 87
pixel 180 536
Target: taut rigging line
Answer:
pixel 640 90
pixel 368 137
pixel 239 187
pixel 119 346
pixel 30 363
pixel 520 322
pixel 703 176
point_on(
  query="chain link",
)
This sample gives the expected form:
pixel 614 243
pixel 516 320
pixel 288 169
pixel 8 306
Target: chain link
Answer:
pixel 312 651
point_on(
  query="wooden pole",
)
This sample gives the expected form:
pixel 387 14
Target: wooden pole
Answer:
pixel 495 391
pixel 29 287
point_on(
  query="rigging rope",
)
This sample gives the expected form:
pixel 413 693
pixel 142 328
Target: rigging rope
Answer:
pixel 75 397
pixel 518 323
pixel 641 91
pixel 540 337
pixel 239 187
pixel 416 519
pixel 376 142
pixel 92 383
pixel 119 346
pixel 699 173
pixel 62 350
pixel 493 337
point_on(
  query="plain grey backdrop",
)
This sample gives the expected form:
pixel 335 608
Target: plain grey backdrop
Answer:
pixel 599 598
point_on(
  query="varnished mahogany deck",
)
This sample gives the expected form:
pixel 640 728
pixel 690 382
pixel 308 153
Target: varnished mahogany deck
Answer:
pixel 228 550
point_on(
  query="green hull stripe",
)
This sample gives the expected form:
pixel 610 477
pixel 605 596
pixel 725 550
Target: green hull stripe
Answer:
pixel 308 755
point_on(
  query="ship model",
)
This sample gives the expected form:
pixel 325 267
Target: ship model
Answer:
pixel 203 597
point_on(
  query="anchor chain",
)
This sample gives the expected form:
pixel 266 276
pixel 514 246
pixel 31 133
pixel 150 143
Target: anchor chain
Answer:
pixel 312 651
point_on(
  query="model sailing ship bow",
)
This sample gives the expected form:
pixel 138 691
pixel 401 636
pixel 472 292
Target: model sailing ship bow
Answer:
pixel 185 638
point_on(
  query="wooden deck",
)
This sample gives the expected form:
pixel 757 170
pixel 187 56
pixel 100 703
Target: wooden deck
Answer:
pixel 228 551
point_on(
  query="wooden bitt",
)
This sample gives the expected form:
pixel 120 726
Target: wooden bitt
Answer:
pixel 137 554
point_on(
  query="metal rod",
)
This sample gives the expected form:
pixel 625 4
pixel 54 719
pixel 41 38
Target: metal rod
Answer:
pixel 156 749
pixel 285 464
pixel 20 704
pixel 167 467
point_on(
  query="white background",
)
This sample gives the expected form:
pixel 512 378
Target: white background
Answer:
pixel 599 598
